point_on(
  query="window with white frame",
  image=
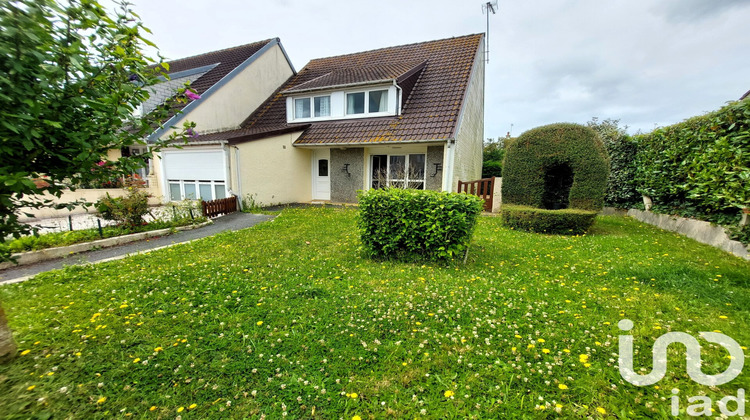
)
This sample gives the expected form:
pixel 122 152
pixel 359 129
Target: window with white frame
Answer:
pixel 368 102
pixel 188 189
pixel 316 106
pixel 398 171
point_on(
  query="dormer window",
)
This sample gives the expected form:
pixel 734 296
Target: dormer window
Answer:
pixel 321 107
pixel 342 104
pixel 376 100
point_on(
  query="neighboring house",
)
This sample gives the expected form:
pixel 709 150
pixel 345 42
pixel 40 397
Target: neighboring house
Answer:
pixel 410 115
pixel 232 83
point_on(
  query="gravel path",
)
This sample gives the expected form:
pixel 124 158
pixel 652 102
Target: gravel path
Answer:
pixel 231 222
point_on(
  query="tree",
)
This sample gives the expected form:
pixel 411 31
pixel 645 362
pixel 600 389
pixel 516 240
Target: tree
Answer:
pixel 71 77
pixel 622 150
pixel 492 158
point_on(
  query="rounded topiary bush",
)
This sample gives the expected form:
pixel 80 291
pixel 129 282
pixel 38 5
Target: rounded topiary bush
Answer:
pixel 556 167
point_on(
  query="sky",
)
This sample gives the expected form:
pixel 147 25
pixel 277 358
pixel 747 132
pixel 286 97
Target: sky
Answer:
pixel 646 63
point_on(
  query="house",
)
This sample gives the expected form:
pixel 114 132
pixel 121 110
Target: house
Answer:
pixel 231 83
pixel 405 116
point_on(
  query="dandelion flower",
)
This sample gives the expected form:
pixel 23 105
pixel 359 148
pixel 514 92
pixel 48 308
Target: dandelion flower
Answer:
pixel 25 352
pixel 181 409
pixel 192 406
pixel 562 386
pixel 31 388
pixel 601 410
pixel 259 323
pixel 449 394
pixel 101 400
pixel 153 408
pixel 356 418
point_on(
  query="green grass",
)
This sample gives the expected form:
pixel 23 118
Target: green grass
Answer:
pixel 290 317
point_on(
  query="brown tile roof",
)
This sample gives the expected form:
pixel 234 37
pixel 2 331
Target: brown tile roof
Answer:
pixel 430 111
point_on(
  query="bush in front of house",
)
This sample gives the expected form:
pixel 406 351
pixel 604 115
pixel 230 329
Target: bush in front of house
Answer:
pixel 416 224
pixel 564 222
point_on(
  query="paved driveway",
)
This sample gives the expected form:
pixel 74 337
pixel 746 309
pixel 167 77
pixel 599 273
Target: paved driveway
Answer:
pixel 230 222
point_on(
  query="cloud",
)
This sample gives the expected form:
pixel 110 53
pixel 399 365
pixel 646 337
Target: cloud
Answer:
pixel 686 11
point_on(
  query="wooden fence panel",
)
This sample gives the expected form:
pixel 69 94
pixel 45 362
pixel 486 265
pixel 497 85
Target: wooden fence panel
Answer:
pixel 218 207
pixel 482 188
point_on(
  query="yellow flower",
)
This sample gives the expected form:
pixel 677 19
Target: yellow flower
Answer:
pixel 192 406
pixel 101 400
pixel 181 409
pixel 31 388
pixel 722 316
pixel 356 418
pixel 601 410
pixel 562 386
pixel 353 395
pixel 545 351
pixel 449 394
pixel 259 323
pixel 136 360
pixel 158 349
pixel 25 352
pixel 153 408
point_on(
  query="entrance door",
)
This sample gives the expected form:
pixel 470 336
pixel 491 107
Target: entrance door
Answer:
pixel 321 188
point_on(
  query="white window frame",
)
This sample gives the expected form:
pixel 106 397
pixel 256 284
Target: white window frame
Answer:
pixel 367 112
pixel 407 180
pixel 196 183
pixel 311 101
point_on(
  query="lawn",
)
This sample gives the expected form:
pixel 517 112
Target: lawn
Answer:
pixel 290 319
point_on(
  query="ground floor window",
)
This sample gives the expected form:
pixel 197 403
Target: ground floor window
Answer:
pixel 398 171
pixel 188 189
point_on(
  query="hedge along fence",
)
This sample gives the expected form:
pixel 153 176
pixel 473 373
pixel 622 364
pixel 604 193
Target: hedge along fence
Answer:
pixel 531 160
pixel 416 224
pixel 700 168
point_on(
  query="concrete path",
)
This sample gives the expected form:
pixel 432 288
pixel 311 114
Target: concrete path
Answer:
pixel 231 222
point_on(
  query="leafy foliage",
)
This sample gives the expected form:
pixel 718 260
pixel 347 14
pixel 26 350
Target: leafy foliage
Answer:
pixel 564 221
pixel 621 148
pixel 416 224
pixel 699 168
pixel 71 77
pixel 535 152
pixel 128 210
pixel 492 158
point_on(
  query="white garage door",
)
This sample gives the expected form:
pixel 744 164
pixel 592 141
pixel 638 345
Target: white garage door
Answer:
pixel 195 174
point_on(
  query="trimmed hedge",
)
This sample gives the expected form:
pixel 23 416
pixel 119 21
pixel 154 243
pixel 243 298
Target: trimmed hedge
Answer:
pixel 622 149
pixel 416 224
pixel 565 221
pixel 529 159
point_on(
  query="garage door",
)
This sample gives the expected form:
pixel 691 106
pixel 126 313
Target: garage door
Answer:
pixel 195 174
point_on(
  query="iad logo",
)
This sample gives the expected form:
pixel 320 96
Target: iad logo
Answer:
pixel 693 363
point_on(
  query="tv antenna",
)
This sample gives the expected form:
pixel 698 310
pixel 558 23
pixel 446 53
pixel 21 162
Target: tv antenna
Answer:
pixel 486 9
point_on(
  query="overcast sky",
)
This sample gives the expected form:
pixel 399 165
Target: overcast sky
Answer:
pixel 644 62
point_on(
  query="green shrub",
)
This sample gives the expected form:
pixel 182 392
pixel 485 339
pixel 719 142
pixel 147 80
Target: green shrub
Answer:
pixel 128 210
pixel 565 221
pixel 415 224
pixel 536 164
pixel 699 167
pixel 622 149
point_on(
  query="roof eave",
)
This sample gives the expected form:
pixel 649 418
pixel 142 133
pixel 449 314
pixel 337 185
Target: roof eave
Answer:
pixel 339 87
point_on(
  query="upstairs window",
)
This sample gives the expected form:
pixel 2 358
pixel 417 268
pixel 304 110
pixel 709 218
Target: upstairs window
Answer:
pixel 321 107
pixel 376 101
pixel 302 108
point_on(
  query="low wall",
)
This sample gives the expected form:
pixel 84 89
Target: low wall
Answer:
pixel 703 232
pixel 89 195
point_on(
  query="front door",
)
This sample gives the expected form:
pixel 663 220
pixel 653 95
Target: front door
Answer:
pixel 321 188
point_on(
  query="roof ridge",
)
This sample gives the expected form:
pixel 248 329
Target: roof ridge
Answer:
pixel 395 46
pixel 265 41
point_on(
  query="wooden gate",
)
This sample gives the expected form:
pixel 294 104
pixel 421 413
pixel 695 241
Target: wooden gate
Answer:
pixel 482 188
pixel 218 207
